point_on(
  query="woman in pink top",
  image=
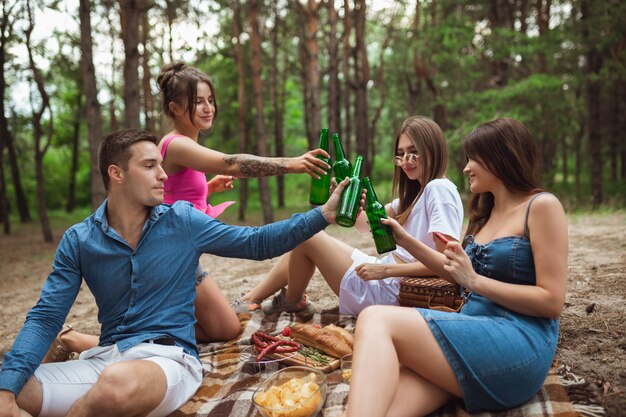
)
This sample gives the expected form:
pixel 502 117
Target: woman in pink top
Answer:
pixel 188 99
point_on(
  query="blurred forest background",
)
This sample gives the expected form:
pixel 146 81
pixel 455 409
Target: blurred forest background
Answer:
pixel 73 71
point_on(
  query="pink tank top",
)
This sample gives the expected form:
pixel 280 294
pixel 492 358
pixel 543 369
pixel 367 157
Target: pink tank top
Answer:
pixel 189 185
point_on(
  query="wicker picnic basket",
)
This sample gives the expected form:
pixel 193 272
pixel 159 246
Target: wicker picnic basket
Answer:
pixel 430 292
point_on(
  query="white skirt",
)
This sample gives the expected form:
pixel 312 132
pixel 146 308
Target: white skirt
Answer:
pixel 355 294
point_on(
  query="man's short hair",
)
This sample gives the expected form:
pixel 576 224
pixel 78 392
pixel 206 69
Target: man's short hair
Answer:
pixel 115 150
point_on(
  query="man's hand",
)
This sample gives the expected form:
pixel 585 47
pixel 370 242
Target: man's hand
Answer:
pixel 329 210
pixel 8 405
pixel 309 163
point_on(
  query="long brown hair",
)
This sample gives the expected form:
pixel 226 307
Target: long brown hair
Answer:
pixel 430 145
pixel 178 83
pixel 505 148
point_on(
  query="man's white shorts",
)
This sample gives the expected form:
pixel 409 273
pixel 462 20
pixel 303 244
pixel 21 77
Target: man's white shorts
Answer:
pixel 65 382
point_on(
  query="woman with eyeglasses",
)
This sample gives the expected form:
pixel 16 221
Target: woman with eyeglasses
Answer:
pixel 427 202
pixel 496 352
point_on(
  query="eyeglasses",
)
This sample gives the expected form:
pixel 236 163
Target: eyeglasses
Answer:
pixel 410 158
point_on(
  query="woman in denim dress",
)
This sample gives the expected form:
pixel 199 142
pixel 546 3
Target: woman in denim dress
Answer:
pixel 494 354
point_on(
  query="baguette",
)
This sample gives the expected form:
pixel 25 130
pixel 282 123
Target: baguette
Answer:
pixel 325 340
pixel 343 333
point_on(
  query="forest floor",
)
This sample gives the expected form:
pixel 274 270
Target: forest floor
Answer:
pixel 592 344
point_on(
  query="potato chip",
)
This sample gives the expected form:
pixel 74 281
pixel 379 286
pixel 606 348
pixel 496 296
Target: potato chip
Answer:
pixel 299 397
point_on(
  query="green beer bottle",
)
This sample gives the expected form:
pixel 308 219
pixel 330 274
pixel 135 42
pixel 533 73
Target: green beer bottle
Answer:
pixel 350 197
pixel 383 237
pixel 341 167
pixel 320 188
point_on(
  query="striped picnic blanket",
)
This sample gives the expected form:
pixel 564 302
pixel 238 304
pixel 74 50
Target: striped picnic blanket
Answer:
pixel 229 381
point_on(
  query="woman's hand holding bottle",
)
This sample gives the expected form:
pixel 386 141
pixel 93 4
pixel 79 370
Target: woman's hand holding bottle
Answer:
pixel 309 163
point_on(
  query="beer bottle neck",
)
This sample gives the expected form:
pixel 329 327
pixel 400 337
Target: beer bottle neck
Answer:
pixel 324 139
pixel 356 172
pixel 338 149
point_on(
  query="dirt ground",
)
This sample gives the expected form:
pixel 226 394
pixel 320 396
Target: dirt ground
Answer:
pixel 593 330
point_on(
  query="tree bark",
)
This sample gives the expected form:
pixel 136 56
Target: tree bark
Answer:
pixel 38 132
pixel 277 91
pixel 593 90
pixel 92 105
pixel 129 17
pixel 543 24
pixel 109 9
pixel 347 77
pixel 146 77
pixel 242 110
pixel 334 89
pixel 255 63
pixel 361 79
pixel 71 183
pixel 310 53
pixel 6 137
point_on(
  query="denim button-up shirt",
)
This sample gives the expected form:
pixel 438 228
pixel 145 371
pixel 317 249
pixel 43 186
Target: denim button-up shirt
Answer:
pixel 145 293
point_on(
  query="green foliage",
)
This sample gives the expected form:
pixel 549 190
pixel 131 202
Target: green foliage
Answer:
pixel 479 69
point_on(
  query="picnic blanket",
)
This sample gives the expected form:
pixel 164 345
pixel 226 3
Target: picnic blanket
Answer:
pixel 229 382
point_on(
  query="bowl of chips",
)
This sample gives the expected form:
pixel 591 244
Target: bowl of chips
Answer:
pixel 296 391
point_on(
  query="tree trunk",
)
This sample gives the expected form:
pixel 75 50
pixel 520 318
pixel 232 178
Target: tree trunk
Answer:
pixel 277 91
pixel 6 138
pixel 4 205
pixel 20 195
pixel 146 79
pixel 92 105
pixel 543 24
pixel 334 90
pixel 310 52
pixel 498 13
pixel 413 81
pixel 255 64
pixel 345 70
pixel 362 77
pixel 593 90
pixel 109 10
pixel 242 110
pixel 38 132
pixel 129 17
pixel 71 183
pixel 622 128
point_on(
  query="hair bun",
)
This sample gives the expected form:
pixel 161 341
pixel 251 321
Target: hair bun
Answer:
pixel 168 71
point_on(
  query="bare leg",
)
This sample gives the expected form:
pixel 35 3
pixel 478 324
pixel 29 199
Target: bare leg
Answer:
pixel 216 320
pixel 131 388
pixel 394 336
pixel 322 250
pixel 31 397
pixel 275 280
pixel 329 255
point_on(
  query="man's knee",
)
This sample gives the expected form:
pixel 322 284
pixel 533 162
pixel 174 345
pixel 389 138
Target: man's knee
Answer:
pixel 115 390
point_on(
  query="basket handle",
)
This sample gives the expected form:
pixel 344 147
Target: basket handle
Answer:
pixel 444 308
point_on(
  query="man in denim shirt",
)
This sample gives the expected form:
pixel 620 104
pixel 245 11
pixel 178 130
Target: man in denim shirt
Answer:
pixel 138 257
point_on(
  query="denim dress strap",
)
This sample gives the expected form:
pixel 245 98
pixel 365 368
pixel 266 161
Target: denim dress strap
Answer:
pixel 528 211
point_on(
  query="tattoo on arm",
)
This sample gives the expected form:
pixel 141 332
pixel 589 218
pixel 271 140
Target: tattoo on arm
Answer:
pixel 256 166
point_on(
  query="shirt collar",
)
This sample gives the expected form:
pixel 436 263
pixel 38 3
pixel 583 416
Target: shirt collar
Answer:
pixel 101 218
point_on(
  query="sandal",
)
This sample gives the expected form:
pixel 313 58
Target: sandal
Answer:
pixel 59 352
